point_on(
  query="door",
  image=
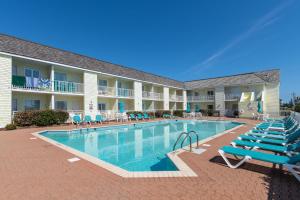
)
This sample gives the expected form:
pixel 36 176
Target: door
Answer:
pixel 32 77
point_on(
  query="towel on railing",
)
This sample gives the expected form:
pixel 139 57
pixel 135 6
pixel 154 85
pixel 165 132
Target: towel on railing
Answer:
pixel 18 81
pixel 44 83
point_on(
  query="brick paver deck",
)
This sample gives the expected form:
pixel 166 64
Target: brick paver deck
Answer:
pixel 34 169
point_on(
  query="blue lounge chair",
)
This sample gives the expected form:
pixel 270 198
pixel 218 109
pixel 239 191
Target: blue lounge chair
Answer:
pixel 288 149
pixel 278 141
pixel 146 116
pixel 131 117
pixel 290 163
pixel 273 134
pixel 99 119
pixel 166 115
pixel 139 116
pixel 76 119
pixel 87 119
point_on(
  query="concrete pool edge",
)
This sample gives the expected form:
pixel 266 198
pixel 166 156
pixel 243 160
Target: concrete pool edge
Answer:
pixel 183 169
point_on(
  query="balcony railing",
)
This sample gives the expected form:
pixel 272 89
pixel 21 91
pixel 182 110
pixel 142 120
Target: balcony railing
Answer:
pixel 179 98
pixel 106 91
pixel 123 92
pixel 67 87
pixel 232 97
pixel 152 95
pixel 33 84
pixel 172 97
pixel 206 98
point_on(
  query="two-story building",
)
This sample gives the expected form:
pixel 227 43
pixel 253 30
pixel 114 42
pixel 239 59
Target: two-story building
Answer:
pixel 35 77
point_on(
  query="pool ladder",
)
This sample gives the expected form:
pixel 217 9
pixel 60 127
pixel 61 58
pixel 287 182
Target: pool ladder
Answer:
pixel 187 135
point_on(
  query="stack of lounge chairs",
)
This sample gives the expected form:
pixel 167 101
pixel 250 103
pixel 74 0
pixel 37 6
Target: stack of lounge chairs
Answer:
pixel 274 141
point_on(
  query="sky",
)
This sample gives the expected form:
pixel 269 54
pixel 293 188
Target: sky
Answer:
pixel 182 40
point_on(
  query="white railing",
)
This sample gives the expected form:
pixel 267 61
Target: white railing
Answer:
pixel 123 92
pixel 37 88
pixel 172 97
pixel 232 97
pixel 205 98
pixel 67 87
pixel 152 95
pixel 106 91
pixel 179 98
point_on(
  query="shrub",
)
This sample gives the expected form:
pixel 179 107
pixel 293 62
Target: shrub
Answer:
pixel 40 117
pixel 178 113
pixel 10 127
pixel 61 116
pixel 297 108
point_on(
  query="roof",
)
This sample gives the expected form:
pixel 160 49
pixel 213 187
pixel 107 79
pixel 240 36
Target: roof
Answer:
pixel 268 76
pixel 21 47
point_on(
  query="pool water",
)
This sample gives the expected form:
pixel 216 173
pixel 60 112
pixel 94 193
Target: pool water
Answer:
pixel 139 147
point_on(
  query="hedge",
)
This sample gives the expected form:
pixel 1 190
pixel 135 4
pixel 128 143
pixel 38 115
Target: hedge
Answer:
pixel 178 113
pixel 40 117
pixel 297 108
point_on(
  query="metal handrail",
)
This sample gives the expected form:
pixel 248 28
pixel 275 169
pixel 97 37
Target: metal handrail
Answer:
pixel 187 135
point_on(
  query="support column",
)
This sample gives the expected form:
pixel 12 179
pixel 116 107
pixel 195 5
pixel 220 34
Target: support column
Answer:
pixel 220 100
pixel 184 99
pixel 166 98
pixel 90 93
pixel 52 105
pixel 52 78
pixel 138 96
pixel 5 88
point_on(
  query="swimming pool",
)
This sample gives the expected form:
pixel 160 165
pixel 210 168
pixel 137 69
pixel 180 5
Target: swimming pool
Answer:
pixel 137 147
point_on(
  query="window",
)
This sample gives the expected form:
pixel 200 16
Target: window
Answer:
pixel 210 107
pixel 32 104
pixel 60 76
pixel 14 105
pixel 119 84
pixel 14 70
pixel 61 105
pixel 210 93
pixel 102 83
pixel 196 94
pixel 101 106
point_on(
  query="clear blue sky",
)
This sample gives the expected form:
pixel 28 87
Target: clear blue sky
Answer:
pixel 183 40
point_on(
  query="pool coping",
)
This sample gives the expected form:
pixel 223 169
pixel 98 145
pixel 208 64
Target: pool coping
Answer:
pixel 183 169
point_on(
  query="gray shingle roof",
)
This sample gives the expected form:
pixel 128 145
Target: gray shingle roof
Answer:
pixel 268 76
pixel 13 45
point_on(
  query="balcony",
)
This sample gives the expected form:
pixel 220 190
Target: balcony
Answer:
pixel 179 98
pixel 172 97
pixel 106 91
pixel 32 84
pixel 123 92
pixel 232 97
pixel 67 87
pixel 152 95
pixel 206 98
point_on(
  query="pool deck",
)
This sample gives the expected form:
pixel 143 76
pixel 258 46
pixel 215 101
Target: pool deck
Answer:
pixel 31 168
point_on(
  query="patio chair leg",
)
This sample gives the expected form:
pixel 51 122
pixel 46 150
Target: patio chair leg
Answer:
pixel 245 159
pixel 294 169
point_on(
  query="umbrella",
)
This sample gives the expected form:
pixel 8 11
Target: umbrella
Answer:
pixel 259 107
pixel 188 108
pixel 121 107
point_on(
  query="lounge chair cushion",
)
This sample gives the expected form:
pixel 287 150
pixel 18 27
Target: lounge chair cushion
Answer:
pixel 257 155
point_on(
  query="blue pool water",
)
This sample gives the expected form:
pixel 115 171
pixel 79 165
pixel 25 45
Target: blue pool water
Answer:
pixel 140 147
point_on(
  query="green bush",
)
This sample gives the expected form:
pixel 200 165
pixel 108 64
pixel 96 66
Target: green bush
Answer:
pixel 10 127
pixel 40 118
pixel 178 113
pixel 297 108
